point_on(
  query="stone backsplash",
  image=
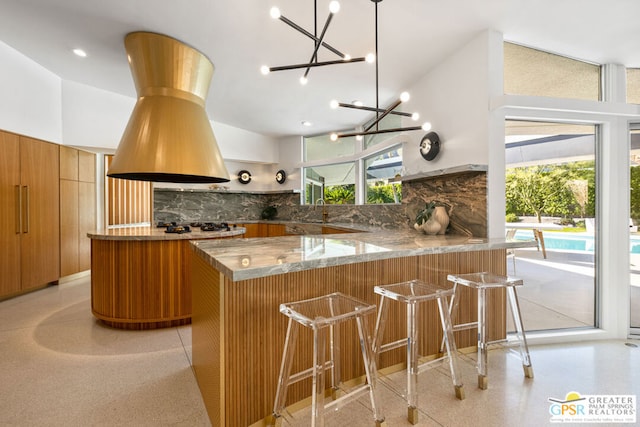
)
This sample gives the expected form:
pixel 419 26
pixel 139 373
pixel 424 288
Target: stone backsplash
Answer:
pixel 464 195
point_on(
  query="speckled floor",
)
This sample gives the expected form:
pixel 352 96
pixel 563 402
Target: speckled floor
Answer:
pixel 59 367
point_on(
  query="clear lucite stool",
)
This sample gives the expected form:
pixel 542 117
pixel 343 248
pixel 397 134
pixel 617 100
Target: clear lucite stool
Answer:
pixel 481 282
pixel 322 315
pixel 411 293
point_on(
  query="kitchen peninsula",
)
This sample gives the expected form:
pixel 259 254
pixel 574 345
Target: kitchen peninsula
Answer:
pixel 140 276
pixel 238 285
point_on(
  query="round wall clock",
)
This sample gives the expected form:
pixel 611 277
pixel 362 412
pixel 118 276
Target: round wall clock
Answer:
pixel 244 177
pixel 281 176
pixel 430 146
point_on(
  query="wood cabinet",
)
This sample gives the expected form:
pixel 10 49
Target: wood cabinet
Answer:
pixel 77 209
pixel 275 230
pixel 263 230
pixel 253 229
pixel 29 204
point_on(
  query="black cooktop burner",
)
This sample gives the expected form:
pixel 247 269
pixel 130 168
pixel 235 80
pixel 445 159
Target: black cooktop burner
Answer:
pixel 179 229
pixel 166 224
pixel 210 226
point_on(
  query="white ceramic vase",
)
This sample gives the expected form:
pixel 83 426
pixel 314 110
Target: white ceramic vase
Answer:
pixel 431 226
pixel 440 214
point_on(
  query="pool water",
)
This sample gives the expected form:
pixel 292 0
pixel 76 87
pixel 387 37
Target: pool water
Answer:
pixel 571 242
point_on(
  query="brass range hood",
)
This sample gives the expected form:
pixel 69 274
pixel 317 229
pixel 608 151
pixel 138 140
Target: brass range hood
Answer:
pixel 169 136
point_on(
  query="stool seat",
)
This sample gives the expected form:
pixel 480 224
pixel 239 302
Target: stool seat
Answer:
pixel 322 315
pixel 411 293
pixel 483 282
pixel 326 310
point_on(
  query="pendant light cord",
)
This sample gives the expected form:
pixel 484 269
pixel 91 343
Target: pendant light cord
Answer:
pixel 377 94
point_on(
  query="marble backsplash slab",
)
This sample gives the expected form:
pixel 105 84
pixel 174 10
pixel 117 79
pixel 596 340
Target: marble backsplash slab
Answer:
pixel 464 194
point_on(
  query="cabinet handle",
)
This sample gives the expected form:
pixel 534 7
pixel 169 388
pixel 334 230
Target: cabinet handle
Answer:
pixel 18 210
pixel 25 228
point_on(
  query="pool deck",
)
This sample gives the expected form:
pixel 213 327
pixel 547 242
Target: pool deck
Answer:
pixel 559 290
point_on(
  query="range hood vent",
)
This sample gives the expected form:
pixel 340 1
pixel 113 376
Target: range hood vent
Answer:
pixel 169 136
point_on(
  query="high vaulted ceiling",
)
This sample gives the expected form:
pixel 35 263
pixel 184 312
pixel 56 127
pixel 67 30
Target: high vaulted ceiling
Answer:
pixel 239 36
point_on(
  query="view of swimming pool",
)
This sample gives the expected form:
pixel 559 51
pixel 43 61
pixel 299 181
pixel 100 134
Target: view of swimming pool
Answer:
pixel 572 242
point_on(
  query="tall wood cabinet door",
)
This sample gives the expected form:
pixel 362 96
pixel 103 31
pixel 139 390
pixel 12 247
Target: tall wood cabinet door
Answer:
pixel 40 246
pixel 68 163
pixel 69 239
pixel 86 166
pixel 9 214
pixel 86 222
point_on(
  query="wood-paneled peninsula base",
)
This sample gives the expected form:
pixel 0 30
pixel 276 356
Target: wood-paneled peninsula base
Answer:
pixel 238 331
pixel 140 276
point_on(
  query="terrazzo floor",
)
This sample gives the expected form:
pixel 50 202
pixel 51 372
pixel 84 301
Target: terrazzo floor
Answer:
pixel 59 367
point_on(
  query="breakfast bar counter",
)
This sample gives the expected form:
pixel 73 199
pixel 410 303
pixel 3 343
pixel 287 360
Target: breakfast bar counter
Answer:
pixel 238 285
pixel 140 276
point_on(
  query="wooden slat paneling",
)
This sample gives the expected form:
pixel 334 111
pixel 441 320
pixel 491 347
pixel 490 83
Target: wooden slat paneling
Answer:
pixel 141 284
pixel 127 201
pixel 208 354
pixel 252 329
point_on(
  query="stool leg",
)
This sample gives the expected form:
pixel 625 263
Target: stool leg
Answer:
pixel 452 350
pixel 381 322
pixel 412 363
pixel 317 397
pixel 336 370
pixel 482 339
pixel 285 367
pixel 522 339
pixel 453 308
pixel 334 349
pixel 370 368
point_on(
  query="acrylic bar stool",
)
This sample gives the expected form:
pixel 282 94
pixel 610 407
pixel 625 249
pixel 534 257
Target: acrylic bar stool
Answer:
pixel 412 293
pixel 322 315
pixel 481 282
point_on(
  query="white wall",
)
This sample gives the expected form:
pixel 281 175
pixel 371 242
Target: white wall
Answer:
pixel 31 97
pixel 243 145
pixel 93 117
pixel 290 159
pixel 454 97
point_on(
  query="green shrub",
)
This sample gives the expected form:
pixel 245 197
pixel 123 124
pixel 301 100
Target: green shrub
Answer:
pixel 511 217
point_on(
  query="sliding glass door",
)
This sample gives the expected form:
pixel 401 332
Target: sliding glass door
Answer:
pixel 634 236
pixel 550 195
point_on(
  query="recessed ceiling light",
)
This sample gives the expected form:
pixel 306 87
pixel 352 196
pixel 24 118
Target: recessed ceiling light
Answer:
pixel 306 123
pixel 79 52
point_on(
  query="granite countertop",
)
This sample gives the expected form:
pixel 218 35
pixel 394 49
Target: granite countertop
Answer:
pixel 155 233
pixel 242 259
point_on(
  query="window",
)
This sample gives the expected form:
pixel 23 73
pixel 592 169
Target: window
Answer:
pixel 633 85
pixel 334 183
pixel 338 181
pixel 380 169
pixel 536 73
